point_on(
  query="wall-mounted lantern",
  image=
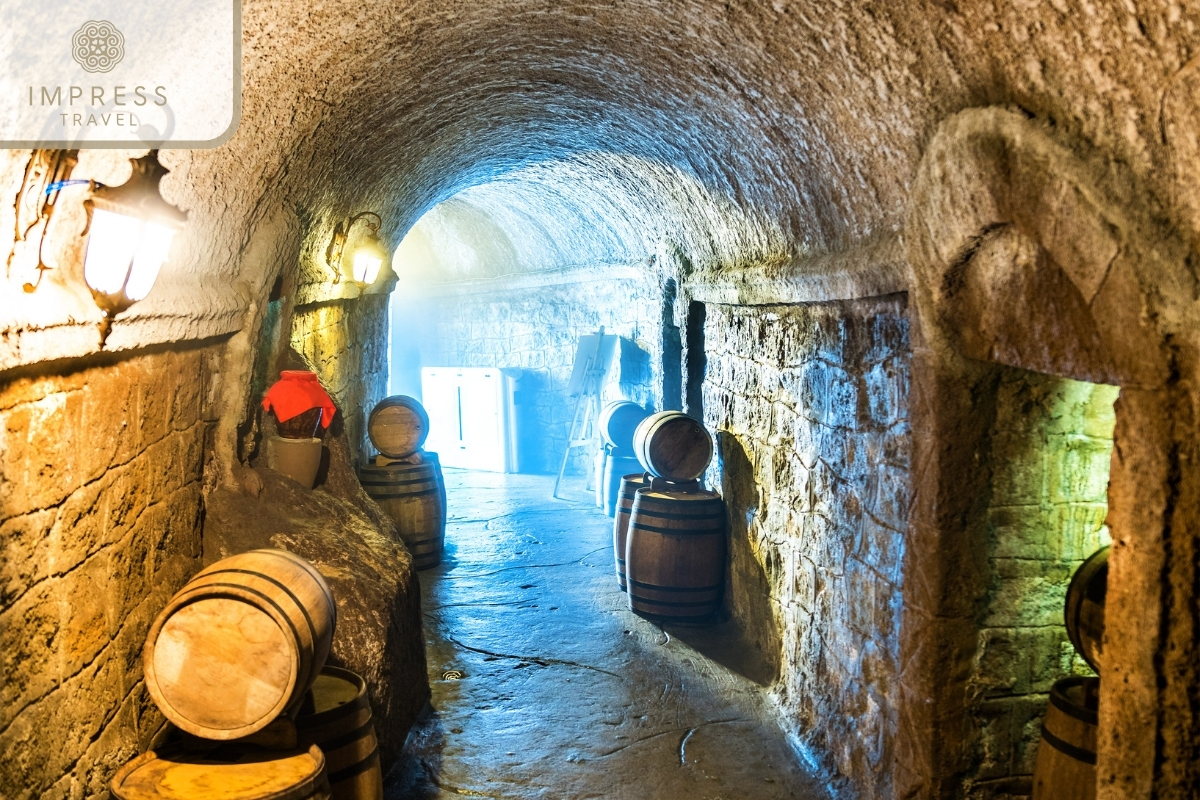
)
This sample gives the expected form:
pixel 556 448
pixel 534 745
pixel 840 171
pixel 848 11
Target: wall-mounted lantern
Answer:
pixel 130 229
pixel 366 257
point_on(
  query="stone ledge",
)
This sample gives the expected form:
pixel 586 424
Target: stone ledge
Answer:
pixel 167 318
pixel 872 269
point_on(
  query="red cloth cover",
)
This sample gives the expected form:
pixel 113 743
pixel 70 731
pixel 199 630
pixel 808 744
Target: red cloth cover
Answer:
pixel 298 391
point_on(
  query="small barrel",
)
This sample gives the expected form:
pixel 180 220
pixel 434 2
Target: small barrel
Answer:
pixel 1084 610
pixel 240 644
pixel 673 446
pixel 629 485
pixel 398 426
pixel 411 495
pixel 617 464
pixel 618 421
pixel 339 722
pixel 1066 757
pixel 675 553
pixel 232 771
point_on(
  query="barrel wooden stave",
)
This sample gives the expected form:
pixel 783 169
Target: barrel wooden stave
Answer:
pixel 617 464
pixel 398 426
pixel 230 772
pixel 625 495
pixel 1084 608
pixel 341 725
pixel 618 421
pixel 240 644
pixel 1066 758
pixel 673 446
pixel 413 497
pixel 675 554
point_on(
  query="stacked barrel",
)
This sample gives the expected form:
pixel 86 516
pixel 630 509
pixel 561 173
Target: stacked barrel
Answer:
pixel 669 532
pixel 405 480
pixel 1066 759
pixel 236 663
pixel 618 422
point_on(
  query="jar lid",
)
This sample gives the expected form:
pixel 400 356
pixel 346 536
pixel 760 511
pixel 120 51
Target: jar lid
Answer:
pixel 298 375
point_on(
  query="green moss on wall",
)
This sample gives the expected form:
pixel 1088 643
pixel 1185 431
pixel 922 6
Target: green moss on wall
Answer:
pixel 1051 442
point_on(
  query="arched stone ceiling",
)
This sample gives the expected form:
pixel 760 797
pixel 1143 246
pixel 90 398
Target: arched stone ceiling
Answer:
pixel 742 131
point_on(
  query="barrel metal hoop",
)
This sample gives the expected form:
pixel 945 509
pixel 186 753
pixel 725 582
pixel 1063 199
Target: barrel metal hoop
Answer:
pixel 702 506
pixel 1073 711
pixel 312 629
pixel 355 770
pixel 637 525
pixel 330 745
pixel 655 587
pixel 292 558
pixel 1068 749
pixel 672 604
pixel 391 496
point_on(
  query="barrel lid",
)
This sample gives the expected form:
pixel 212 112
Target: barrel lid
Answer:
pixel 618 421
pixel 230 772
pixel 398 426
pixel 334 689
pixel 704 495
pixel 205 686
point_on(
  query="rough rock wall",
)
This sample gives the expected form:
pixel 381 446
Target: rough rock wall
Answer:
pixel 537 331
pixel 346 343
pixel 1050 446
pixel 811 402
pixel 100 503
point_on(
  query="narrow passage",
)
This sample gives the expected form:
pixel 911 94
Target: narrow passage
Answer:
pixel 546 686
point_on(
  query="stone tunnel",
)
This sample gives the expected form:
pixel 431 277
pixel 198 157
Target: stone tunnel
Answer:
pixel 801 221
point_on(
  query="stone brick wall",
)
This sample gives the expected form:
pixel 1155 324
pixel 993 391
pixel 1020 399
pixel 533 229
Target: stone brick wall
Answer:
pixel 537 330
pixel 811 405
pixel 100 497
pixel 1051 442
pixel 346 343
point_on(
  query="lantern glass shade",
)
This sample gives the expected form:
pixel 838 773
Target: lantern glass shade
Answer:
pixel 368 259
pixel 366 266
pixel 125 254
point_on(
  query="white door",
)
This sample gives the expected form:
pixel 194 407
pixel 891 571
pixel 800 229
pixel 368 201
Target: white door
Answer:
pixel 466 416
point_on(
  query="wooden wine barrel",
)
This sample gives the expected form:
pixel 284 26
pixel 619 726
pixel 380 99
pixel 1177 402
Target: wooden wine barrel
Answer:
pixel 231 772
pixel 1066 758
pixel 435 463
pixel 339 722
pixel 629 485
pixel 411 495
pixel 673 445
pixel 421 457
pixel 617 464
pixel 398 426
pixel 618 421
pixel 1085 608
pixel 675 553
pixel 240 644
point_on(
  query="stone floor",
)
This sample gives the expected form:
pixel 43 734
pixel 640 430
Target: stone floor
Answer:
pixel 546 686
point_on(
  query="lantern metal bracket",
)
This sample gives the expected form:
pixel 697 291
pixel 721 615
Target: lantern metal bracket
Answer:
pixel 341 234
pixel 45 176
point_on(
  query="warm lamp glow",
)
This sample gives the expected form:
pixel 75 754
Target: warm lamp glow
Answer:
pixel 366 257
pixel 125 254
pixel 130 228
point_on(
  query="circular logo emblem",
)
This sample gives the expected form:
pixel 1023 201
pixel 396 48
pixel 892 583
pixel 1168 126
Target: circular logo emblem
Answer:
pixel 98 46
